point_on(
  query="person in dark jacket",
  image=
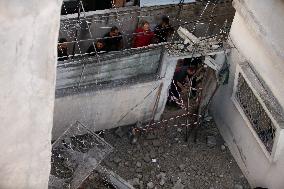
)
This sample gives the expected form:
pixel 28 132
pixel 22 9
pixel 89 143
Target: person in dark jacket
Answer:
pixel 100 48
pixel 163 30
pixel 113 40
pixel 182 75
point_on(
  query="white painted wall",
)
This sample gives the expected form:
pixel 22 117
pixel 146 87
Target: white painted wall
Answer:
pixel 28 41
pixel 104 108
pixel 257 32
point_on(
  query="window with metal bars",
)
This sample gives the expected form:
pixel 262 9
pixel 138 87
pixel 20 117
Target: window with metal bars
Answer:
pixel 260 121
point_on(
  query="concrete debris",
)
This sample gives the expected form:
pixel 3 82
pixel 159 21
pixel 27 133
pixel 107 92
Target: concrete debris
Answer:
pixel 138 164
pixel 156 143
pixel 211 141
pixel 151 136
pixel 178 185
pixel 161 150
pixel 223 147
pixel 182 167
pixel 120 132
pixel 162 182
pixel 150 185
pixel 238 186
pixel 134 182
pixel 164 163
pixel 117 160
pixel 152 154
pixel 147 158
pixel 139 170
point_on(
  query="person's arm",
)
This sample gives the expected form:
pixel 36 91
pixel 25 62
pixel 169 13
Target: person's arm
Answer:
pixel 134 41
pixel 152 37
pixel 120 45
pixel 156 35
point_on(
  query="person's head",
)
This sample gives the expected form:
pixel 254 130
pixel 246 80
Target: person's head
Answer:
pixel 145 25
pixel 165 21
pixel 114 31
pixel 62 43
pixel 100 44
pixel 179 63
pixel 191 70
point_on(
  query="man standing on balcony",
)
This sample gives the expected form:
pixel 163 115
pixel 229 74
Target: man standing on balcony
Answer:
pixel 113 40
pixel 163 30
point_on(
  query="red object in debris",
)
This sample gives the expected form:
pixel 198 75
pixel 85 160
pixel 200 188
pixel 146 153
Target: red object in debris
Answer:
pixel 142 38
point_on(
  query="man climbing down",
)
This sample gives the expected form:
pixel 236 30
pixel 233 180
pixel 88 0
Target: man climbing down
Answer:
pixel 183 77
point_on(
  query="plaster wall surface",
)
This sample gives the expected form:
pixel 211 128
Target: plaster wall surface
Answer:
pixel 28 36
pixel 259 48
pixel 106 108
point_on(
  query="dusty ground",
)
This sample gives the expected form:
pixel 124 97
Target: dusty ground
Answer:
pixel 167 161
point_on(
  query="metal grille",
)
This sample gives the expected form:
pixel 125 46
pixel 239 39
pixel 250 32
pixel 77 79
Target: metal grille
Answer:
pixel 75 155
pixel 257 116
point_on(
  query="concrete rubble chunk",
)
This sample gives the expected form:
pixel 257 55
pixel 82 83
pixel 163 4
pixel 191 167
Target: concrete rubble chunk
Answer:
pixel 117 160
pixel 182 167
pixel 238 186
pixel 140 176
pixel 156 143
pixel 151 136
pixel 150 185
pixel 134 182
pixel 152 154
pixel 147 158
pixel 178 185
pixel 139 170
pixel 138 164
pixel 162 177
pixel 211 141
pixel 120 132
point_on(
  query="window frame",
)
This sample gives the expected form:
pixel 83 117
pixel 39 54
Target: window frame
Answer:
pixel 249 74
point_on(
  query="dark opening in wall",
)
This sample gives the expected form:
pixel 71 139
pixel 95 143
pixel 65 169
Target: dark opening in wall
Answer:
pixel 72 6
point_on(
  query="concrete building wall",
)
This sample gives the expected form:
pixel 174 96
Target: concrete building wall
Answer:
pixel 111 107
pixel 28 35
pixel 257 33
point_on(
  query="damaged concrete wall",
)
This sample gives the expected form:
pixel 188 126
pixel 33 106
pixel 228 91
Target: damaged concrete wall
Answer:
pixel 28 35
pixel 105 108
pixel 257 33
